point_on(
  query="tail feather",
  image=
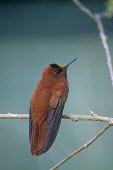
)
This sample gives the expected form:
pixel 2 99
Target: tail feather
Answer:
pixel 37 135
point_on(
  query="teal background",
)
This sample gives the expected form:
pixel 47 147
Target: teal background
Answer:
pixel 31 37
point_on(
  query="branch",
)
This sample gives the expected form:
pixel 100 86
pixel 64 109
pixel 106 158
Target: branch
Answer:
pixel 97 19
pixel 14 116
pixel 93 117
pixel 82 147
pixel 105 44
pixel 84 9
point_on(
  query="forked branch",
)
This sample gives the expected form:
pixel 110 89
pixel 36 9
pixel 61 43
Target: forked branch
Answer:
pixel 92 117
pixel 98 19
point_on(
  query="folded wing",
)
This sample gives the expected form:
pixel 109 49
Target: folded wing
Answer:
pixel 43 133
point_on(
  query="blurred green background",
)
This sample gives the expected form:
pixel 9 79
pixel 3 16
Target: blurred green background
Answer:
pixel 33 35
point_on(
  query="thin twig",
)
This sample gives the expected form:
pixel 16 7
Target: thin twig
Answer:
pixel 84 9
pixel 82 147
pixel 105 44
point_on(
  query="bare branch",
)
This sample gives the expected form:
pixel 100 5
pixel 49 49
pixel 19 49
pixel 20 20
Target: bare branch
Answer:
pixel 82 147
pixel 93 117
pixel 105 44
pixel 84 9
pixel 14 116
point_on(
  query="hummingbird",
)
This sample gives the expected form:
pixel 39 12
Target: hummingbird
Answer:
pixel 46 107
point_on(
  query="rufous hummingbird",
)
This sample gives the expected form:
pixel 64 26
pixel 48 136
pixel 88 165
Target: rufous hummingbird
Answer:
pixel 46 107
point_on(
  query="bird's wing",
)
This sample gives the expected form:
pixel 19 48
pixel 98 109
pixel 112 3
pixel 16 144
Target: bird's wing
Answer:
pixel 43 135
pixel 53 119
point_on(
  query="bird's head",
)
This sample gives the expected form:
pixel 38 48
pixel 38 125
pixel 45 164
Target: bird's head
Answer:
pixel 56 71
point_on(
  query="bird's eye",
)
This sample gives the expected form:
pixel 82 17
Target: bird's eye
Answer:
pixel 58 71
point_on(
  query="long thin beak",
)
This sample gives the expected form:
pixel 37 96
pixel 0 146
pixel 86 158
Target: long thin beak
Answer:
pixel 71 62
pixel 66 65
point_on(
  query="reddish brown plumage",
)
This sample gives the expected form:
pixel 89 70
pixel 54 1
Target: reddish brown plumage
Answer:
pixel 46 108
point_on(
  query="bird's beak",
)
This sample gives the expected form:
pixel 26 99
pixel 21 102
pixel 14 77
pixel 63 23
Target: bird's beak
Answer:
pixel 66 65
pixel 71 62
